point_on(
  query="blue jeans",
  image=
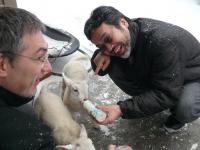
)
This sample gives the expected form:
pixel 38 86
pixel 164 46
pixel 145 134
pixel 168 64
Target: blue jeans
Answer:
pixel 188 107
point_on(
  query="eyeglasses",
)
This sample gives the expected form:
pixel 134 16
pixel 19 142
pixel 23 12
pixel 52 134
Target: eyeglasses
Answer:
pixel 42 59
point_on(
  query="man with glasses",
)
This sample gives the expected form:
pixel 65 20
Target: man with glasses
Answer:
pixel 23 64
pixel 155 62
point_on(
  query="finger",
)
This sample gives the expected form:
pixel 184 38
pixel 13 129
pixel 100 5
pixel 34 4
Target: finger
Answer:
pixel 105 65
pixel 103 108
pixel 105 122
pixel 109 119
pixel 98 68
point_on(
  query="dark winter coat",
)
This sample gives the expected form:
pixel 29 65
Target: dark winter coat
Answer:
pixel 163 58
pixel 20 131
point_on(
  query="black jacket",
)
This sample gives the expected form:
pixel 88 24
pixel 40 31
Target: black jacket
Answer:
pixel 163 58
pixel 20 131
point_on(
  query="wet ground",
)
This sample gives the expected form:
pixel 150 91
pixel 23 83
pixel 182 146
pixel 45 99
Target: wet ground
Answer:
pixel 141 134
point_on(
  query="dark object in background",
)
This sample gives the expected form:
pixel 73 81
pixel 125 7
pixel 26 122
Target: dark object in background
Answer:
pixel 58 57
pixel 59 35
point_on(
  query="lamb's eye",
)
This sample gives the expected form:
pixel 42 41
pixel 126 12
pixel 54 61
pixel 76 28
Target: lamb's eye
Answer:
pixel 75 90
pixel 77 145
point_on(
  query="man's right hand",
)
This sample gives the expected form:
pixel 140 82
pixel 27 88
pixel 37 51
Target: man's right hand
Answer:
pixel 113 112
pixel 101 61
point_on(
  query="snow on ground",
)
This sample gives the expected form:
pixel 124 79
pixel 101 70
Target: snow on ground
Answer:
pixel 194 146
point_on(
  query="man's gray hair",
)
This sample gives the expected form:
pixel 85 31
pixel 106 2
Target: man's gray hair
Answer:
pixel 14 24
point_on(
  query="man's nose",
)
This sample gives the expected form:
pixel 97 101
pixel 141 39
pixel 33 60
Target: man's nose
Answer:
pixel 47 69
pixel 109 47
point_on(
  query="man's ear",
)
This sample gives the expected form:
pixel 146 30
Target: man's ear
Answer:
pixel 3 66
pixel 123 22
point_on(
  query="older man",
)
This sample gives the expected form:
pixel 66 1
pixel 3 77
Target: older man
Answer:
pixel 23 63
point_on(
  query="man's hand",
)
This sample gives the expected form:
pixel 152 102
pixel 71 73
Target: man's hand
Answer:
pixel 101 61
pixel 113 113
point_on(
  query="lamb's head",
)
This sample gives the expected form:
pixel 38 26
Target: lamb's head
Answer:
pixel 74 93
pixel 82 143
pixel 75 71
pixel 75 79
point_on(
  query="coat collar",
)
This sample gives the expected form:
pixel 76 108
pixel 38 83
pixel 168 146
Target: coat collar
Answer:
pixel 8 98
pixel 134 32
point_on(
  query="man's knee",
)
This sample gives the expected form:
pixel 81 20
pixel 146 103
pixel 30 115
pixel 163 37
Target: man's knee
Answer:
pixel 186 113
pixel 188 108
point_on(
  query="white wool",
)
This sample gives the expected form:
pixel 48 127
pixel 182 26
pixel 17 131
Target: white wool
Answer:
pixel 75 78
pixel 56 113
pixel 50 109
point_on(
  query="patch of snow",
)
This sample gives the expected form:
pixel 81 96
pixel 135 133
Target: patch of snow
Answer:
pixel 105 129
pixel 194 146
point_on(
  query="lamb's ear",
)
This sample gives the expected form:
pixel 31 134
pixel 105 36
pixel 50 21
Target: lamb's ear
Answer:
pixel 67 81
pixel 83 131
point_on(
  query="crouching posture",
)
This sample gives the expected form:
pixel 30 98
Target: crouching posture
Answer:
pixel 170 56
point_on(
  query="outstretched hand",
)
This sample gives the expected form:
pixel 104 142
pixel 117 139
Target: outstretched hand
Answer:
pixel 101 61
pixel 113 113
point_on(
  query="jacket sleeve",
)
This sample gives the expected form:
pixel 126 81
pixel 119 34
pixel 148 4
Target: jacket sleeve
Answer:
pixel 165 84
pixel 20 131
pixel 101 72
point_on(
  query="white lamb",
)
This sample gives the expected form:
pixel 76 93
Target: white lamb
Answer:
pixel 75 84
pixel 49 107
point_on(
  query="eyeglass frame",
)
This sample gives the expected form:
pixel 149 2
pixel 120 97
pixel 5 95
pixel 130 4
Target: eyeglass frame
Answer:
pixel 42 59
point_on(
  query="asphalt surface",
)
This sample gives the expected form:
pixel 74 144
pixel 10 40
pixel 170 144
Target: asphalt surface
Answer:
pixel 141 134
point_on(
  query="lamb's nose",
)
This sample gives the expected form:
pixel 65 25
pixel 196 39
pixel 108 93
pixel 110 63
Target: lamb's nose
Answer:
pixel 85 99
